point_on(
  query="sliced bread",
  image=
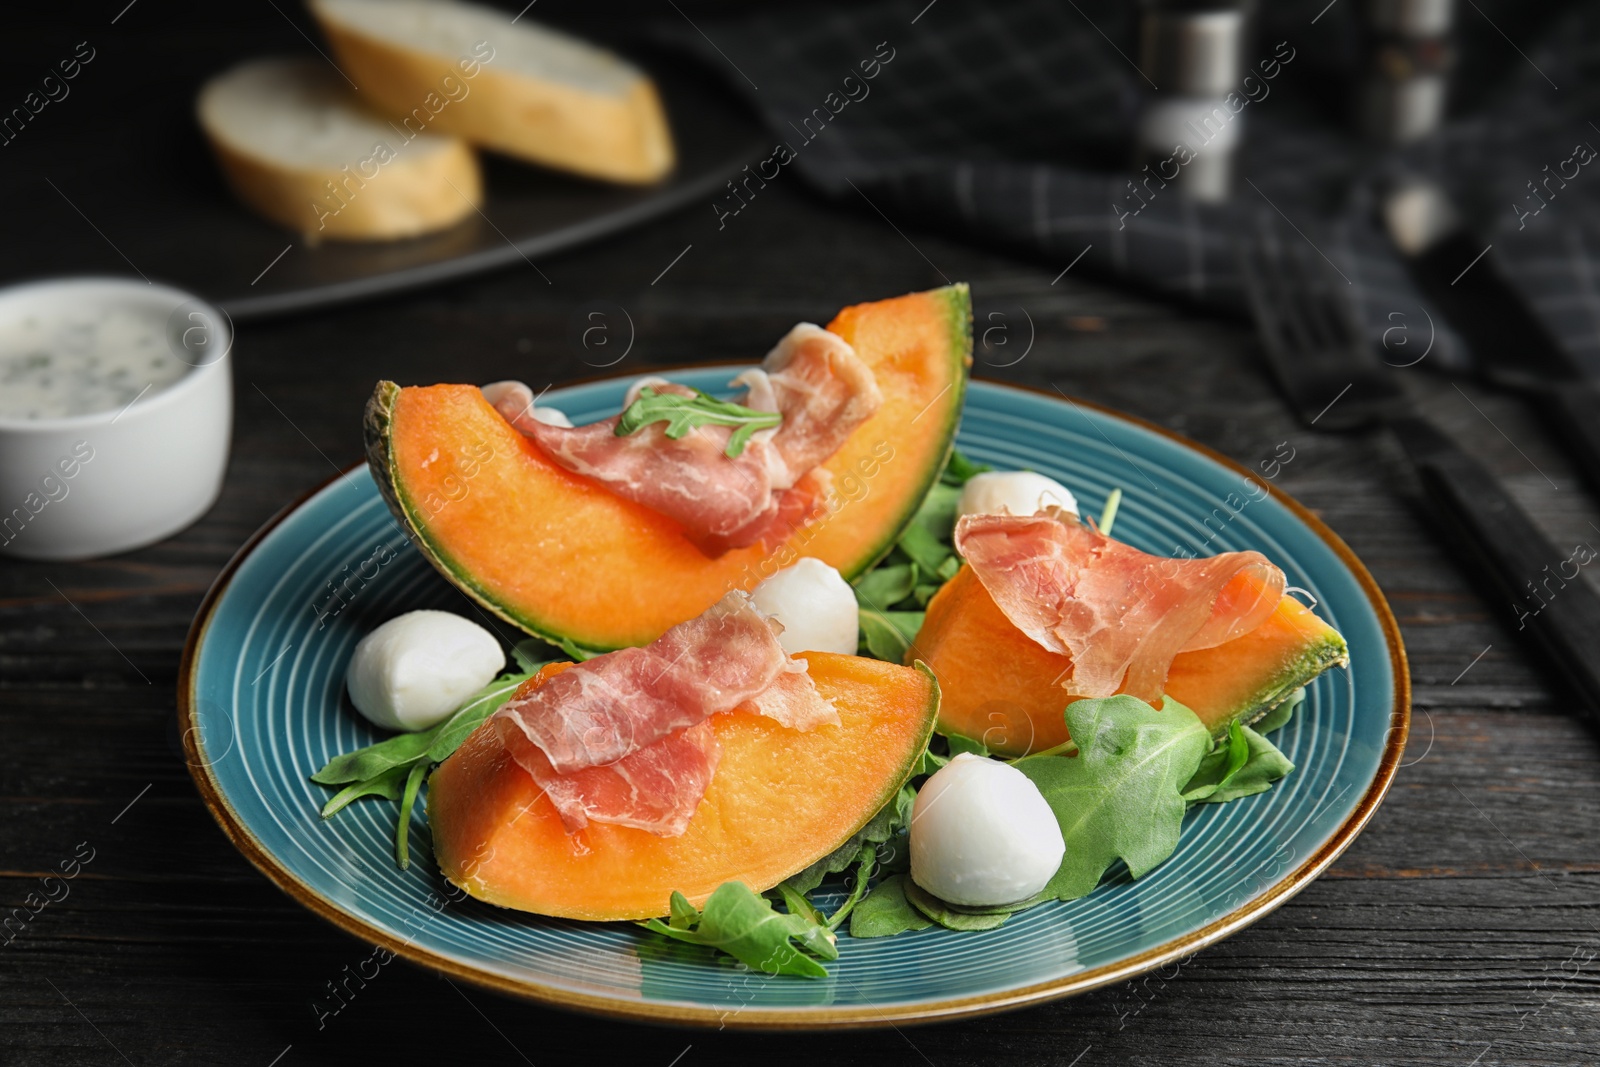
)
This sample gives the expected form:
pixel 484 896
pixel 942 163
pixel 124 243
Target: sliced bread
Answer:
pixel 296 144
pixel 504 83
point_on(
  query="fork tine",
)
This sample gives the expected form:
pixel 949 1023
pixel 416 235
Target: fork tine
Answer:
pixel 1314 348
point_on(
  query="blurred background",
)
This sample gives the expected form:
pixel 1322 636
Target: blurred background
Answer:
pixel 1427 162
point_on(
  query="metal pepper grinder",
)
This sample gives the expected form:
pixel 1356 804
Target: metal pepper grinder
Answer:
pixel 1189 130
pixel 1408 56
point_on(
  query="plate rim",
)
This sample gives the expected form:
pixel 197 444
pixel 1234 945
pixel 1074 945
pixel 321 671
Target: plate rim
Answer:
pixel 865 1016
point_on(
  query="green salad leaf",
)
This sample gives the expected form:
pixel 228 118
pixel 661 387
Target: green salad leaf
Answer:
pixel 1108 514
pixel 925 549
pixel 960 469
pixel 1263 765
pixel 1121 796
pixel 865 868
pixel 959 744
pixel 1218 766
pixel 739 921
pixel 947 916
pixel 396 767
pixel 885 911
pixel 894 817
pixel 888 584
pixel 937 513
pixel 1279 716
pixel 683 414
pixel 575 651
pixel 387 784
pixel 888 634
pixel 894 592
pixel 408 803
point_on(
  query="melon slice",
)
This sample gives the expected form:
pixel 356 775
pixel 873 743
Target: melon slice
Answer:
pixel 780 800
pixel 1001 688
pixel 559 556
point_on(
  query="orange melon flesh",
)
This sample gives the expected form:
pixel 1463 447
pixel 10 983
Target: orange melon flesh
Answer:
pixel 1000 687
pixel 780 800
pixel 559 556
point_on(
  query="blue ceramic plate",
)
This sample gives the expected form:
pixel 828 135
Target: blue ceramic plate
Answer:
pixel 260 701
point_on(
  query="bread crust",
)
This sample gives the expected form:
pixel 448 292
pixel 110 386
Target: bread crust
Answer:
pixel 617 138
pixel 411 195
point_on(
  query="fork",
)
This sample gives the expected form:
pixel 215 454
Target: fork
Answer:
pixel 1324 364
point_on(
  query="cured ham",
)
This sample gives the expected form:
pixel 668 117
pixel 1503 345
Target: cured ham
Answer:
pixel 813 379
pixel 1120 614
pixel 624 738
pixel 792 700
pixel 612 705
pixel 656 788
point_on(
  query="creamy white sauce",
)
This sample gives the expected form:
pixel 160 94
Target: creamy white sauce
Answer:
pixel 57 363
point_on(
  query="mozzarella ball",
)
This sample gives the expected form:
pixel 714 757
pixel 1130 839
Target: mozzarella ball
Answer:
pixel 552 417
pixel 816 606
pixel 1017 492
pixel 416 669
pixel 982 834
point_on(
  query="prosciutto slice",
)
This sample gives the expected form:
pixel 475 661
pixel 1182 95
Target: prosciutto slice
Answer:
pixel 1120 614
pixel 656 788
pixel 613 705
pixel 624 738
pixel 813 378
pixel 792 700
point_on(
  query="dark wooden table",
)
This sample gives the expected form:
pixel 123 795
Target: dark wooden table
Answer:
pixel 1460 929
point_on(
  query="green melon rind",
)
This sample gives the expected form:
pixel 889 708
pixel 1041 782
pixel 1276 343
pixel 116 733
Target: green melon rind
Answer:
pixel 957 299
pixel 378 421
pixel 1327 652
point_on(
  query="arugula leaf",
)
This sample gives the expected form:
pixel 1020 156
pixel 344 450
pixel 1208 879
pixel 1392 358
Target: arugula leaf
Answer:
pixel 526 652
pixel 576 651
pixel 924 548
pixel 1219 765
pixel 387 785
pixel 1279 716
pixel 959 744
pixel 1120 796
pixel 1263 765
pixel 404 749
pixel 367 763
pixel 946 915
pixel 864 870
pixel 889 821
pixel 396 767
pixel 885 586
pixel 937 513
pixel 681 914
pixel 685 413
pixel 797 904
pixel 929 762
pixel 960 469
pixel 746 926
pixel 1108 514
pixel 882 637
pixel 885 911
pixel 996 909
pixel 447 736
pixel 408 801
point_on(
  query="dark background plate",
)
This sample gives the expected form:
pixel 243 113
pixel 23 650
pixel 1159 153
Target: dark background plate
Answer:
pixel 116 177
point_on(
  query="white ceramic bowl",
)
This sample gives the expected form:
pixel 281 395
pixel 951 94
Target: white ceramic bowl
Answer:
pixel 90 485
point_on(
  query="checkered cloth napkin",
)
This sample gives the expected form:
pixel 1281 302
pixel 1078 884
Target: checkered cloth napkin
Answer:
pixel 1010 122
